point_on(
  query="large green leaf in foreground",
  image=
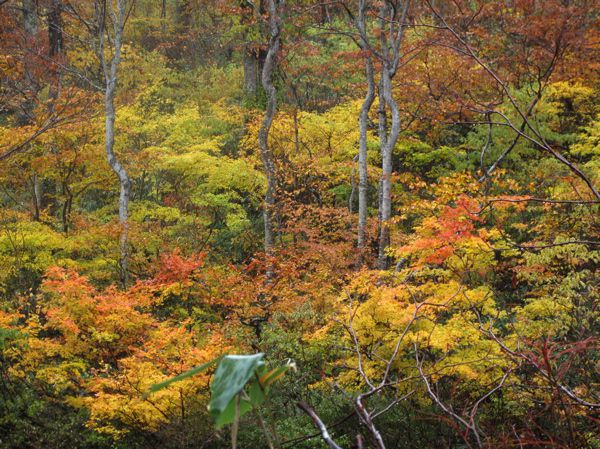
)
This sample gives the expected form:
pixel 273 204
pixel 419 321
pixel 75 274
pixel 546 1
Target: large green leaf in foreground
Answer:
pixel 232 375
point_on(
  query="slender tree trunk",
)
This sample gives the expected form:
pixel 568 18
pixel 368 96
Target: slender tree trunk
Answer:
pixel 125 183
pixel 163 17
pixel 36 192
pixel 386 170
pixel 55 48
pixel 30 21
pixel 55 28
pixel 30 24
pixel 390 48
pixel 254 57
pixel 66 210
pixel 251 72
pixel 382 128
pixel 263 135
pixel 324 15
pixel 110 69
pixel 363 183
pixel 30 16
pixel 352 198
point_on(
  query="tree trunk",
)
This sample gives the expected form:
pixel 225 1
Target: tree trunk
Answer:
pixel 55 29
pixel 55 48
pixel 386 170
pixel 382 127
pixel 30 16
pixel 121 172
pixel 163 17
pixel 66 210
pixel 254 57
pixel 251 72
pixel 263 135
pixel 324 15
pixel 352 198
pixel 110 69
pixel 390 48
pixel 30 86
pixel 363 183
pixel 36 192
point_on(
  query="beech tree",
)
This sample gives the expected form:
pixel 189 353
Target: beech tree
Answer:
pixel 392 17
pixel 110 21
pixel 268 73
pixel 363 185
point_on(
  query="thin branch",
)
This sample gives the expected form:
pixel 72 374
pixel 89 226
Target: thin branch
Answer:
pixel 319 425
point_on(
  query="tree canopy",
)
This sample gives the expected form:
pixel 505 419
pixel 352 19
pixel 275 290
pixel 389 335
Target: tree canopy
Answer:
pixel 309 224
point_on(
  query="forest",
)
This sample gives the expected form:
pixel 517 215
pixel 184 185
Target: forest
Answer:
pixel 329 224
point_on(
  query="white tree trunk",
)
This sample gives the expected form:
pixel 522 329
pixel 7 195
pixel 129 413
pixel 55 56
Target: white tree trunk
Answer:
pixel 110 69
pixel 386 170
pixel 391 42
pixel 263 135
pixel 363 184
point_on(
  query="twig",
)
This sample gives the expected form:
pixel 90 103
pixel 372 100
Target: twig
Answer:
pixel 319 424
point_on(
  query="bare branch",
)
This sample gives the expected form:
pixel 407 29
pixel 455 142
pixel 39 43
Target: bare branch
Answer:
pixel 319 425
pixel 537 139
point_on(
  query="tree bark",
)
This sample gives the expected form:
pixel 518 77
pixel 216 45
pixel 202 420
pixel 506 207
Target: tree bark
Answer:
pixel 363 183
pixel 36 192
pixel 382 128
pixel 110 69
pixel 331 444
pixel 251 72
pixel 68 204
pixel 55 48
pixel 324 15
pixel 25 116
pixel 391 42
pixel 386 169
pixel 30 24
pixel 263 135
pixel 253 58
pixel 163 17
pixel 55 29
pixel 30 16
pixel 352 198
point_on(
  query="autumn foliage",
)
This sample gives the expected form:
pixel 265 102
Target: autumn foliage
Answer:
pixel 474 325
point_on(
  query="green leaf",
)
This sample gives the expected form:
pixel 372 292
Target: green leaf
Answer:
pixel 227 416
pixel 231 377
pixel 256 394
pixel 156 387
